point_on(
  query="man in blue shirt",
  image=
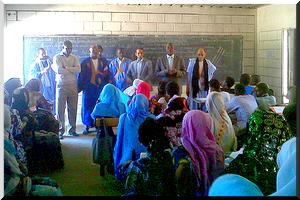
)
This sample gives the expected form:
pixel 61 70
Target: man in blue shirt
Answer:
pixel 118 68
pixel 93 77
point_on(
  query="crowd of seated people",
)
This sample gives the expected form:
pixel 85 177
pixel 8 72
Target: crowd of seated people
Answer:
pixel 238 121
pixel 161 148
pixel 20 177
pixel 32 145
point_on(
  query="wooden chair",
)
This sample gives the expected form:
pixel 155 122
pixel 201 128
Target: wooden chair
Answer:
pixel 100 121
pixel 108 122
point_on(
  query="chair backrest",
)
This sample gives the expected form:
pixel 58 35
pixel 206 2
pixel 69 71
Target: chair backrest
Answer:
pixel 112 122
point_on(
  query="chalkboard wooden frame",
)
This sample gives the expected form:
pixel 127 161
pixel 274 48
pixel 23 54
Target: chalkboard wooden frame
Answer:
pixel 225 51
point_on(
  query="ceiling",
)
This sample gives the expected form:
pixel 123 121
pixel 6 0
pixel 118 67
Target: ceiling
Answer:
pixel 182 3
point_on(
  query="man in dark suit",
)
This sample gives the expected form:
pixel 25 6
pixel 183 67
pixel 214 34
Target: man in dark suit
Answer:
pixel 170 66
pixel 141 68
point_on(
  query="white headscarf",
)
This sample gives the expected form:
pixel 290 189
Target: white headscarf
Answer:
pixel 286 176
pixel 130 91
pixel 223 129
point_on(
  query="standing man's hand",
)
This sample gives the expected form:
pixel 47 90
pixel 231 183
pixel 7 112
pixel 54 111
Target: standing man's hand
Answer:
pixel 187 90
pixel 45 70
pixel 187 93
pixel 171 71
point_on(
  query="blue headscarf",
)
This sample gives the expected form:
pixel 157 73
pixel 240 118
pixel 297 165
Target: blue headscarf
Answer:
pixel 111 102
pixel 127 136
pixel 233 185
pixel 286 176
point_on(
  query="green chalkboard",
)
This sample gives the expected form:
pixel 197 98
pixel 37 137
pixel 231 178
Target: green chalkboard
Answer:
pixel 226 52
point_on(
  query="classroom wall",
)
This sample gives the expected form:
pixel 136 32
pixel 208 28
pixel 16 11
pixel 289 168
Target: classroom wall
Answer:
pixel 2 20
pixel 128 20
pixel 125 20
pixel 271 20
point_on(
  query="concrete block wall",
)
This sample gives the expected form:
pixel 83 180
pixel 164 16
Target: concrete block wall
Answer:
pixel 269 59
pixel 2 22
pixel 271 20
pixel 127 20
pixel 131 20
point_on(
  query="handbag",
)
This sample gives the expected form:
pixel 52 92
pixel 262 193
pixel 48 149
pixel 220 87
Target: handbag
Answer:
pixel 95 147
pixel 102 145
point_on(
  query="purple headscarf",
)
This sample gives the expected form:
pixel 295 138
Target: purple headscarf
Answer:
pixel 198 139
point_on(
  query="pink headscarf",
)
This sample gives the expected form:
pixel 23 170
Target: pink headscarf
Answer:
pixel 198 139
pixel 144 88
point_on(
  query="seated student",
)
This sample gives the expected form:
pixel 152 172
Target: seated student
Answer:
pixel 18 183
pixel 214 86
pixel 111 103
pixel 159 101
pixel 20 101
pixel 144 88
pixel 36 139
pixel 262 96
pixel 271 92
pixel 127 146
pixel 172 88
pixel 10 85
pixel 254 80
pixel 16 179
pixel 266 133
pixel 243 106
pixel 286 175
pixel 227 85
pixel 236 185
pixel 36 98
pixel 233 185
pixel 161 91
pixel 199 161
pixel 23 98
pixel 171 119
pixel 131 90
pixel 290 111
pixel 9 138
pixel 245 81
pixel 152 174
pixel 223 129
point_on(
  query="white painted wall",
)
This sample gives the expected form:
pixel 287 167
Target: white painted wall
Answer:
pixel 125 20
pixel 271 20
pixel 2 21
pixel 129 20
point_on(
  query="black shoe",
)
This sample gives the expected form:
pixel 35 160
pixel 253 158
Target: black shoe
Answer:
pixel 86 131
pixel 102 170
pixel 61 134
pixel 73 134
pixel 110 169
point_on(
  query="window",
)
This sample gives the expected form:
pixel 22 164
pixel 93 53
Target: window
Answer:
pixel 288 61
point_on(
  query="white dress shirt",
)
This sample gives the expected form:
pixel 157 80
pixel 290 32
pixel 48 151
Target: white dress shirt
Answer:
pixel 201 73
pixel 95 62
pixel 170 60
